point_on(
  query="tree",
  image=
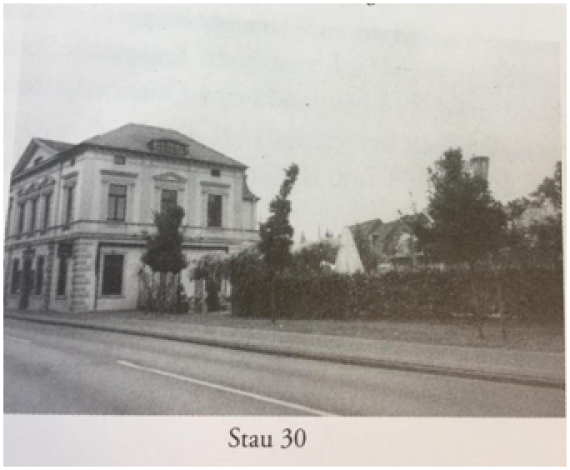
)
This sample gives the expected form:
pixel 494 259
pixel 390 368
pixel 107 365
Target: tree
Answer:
pixel 309 259
pixel 213 268
pixel 466 225
pixel 277 233
pixel 551 188
pixel 163 252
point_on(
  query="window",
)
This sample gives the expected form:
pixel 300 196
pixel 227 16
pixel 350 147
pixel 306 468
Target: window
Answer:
pixel 40 275
pixel 9 218
pixel 69 208
pixel 47 208
pixel 34 215
pixel 214 210
pixel 38 160
pixel 169 147
pixel 72 162
pixel 117 205
pixel 119 160
pixel 112 275
pixel 169 199
pixel 215 172
pixel 22 212
pixel 15 287
pixel 62 276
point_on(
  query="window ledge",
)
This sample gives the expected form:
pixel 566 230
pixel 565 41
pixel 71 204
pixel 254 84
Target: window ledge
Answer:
pixel 112 296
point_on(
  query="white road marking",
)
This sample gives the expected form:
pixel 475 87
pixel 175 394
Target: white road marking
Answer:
pixel 235 391
pixel 15 338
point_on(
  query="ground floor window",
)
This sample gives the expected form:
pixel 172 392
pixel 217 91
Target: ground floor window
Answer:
pixel 15 287
pixel 62 276
pixel 112 275
pixel 40 275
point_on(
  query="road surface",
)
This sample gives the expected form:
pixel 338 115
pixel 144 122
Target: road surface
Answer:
pixel 62 370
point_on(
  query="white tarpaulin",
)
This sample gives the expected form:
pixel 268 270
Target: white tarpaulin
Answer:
pixel 348 259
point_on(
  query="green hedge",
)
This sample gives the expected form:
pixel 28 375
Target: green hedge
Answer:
pixel 533 294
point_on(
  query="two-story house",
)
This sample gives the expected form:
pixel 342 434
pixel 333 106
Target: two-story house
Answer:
pixel 77 214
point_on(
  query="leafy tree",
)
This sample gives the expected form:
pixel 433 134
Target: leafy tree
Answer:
pixel 277 233
pixel 163 252
pixel 537 241
pixel 551 188
pixel 466 225
pixel 367 254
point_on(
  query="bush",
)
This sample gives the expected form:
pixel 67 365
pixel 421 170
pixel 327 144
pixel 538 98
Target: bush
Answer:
pixel 528 294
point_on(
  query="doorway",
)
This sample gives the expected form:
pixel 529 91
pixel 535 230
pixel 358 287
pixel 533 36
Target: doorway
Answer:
pixel 26 284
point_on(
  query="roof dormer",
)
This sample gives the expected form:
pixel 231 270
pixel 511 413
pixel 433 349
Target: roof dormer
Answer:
pixel 168 147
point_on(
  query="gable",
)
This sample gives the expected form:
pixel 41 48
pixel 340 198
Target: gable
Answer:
pixel 38 151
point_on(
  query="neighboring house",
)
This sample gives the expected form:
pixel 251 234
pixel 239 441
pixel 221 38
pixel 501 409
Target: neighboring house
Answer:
pixel 392 242
pixel 77 213
pixel 537 213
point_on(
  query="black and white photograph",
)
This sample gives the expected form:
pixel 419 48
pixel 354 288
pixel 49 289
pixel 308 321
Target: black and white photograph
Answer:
pixel 284 211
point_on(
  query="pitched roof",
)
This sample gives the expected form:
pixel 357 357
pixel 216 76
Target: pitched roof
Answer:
pixel 54 144
pixel 368 228
pixel 136 137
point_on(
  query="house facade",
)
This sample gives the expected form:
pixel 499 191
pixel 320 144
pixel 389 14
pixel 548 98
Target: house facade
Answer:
pixel 78 213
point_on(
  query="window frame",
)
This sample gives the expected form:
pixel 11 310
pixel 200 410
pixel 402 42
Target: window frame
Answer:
pixel 220 215
pixel 21 217
pixel 70 204
pixel 162 199
pixel 47 211
pixel 62 272
pixel 16 277
pixel 34 214
pixel 39 281
pixel 113 203
pixel 114 271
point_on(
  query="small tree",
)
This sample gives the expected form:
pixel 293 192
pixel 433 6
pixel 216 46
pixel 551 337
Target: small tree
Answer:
pixel 277 233
pixel 213 268
pixel 163 252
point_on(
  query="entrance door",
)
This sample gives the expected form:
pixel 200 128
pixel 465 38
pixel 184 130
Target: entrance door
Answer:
pixel 26 284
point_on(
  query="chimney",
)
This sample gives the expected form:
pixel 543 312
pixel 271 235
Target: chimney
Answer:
pixel 479 166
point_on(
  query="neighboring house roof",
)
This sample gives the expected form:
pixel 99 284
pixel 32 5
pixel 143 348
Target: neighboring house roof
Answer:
pixel 136 137
pixel 368 228
pixel 386 237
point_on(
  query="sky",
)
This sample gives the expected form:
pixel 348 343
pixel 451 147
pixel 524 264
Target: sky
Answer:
pixel 363 98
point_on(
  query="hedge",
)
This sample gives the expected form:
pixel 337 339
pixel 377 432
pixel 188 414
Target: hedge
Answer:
pixel 528 294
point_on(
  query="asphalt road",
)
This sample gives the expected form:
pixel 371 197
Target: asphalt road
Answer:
pixel 61 370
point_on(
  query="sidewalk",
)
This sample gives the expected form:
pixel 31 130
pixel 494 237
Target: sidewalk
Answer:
pixel 544 369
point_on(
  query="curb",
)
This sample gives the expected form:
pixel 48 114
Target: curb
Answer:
pixel 275 350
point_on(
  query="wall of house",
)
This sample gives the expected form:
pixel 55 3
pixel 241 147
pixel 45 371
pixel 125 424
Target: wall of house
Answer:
pixel 145 177
pixel 90 174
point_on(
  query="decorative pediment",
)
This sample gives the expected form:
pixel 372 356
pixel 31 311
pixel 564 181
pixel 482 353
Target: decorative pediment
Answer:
pixel 170 177
pixel 46 181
